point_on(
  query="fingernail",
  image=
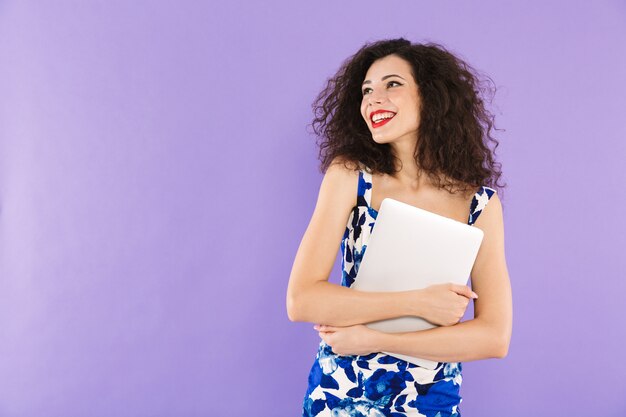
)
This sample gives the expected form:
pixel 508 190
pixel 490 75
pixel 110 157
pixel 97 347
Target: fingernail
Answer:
pixel 474 294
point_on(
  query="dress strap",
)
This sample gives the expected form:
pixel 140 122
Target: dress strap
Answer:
pixel 479 202
pixel 364 193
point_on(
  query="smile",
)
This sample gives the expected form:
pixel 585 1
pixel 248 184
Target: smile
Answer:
pixel 381 117
pixel 380 123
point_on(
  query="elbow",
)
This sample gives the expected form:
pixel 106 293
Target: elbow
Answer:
pixel 501 347
pixel 496 338
pixel 293 313
pixel 501 352
pixel 301 305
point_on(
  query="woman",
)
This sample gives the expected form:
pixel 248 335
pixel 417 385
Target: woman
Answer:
pixel 404 121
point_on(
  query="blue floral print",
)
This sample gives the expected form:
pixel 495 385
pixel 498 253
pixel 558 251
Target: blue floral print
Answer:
pixel 380 385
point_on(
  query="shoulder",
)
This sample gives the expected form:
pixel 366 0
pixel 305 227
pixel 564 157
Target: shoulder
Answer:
pixel 342 173
pixel 342 166
pixel 340 183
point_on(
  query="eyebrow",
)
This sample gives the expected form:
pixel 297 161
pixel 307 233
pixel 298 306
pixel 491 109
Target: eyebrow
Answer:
pixel 383 79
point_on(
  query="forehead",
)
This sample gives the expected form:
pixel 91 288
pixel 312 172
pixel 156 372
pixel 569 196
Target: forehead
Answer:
pixel 391 64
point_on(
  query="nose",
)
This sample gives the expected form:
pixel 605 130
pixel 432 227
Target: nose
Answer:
pixel 376 97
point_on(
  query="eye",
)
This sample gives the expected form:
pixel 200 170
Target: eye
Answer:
pixel 389 84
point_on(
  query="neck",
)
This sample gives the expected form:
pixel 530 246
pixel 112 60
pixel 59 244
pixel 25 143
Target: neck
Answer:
pixel 408 174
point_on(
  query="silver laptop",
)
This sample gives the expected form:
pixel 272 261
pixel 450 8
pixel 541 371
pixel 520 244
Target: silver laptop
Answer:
pixel 411 248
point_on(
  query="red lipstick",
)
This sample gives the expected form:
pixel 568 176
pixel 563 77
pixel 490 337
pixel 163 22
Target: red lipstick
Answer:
pixel 383 121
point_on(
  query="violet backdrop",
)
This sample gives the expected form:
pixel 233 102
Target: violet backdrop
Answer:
pixel 157 175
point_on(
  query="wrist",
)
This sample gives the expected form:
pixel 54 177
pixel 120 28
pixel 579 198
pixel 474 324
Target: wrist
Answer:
pixel 380 341
pixel 412 303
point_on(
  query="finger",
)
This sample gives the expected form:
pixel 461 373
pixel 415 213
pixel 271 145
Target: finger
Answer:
pixel 326 337
pixel 464 290
pixel 327 328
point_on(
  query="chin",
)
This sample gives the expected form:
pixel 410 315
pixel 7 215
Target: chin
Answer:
pixel 380 139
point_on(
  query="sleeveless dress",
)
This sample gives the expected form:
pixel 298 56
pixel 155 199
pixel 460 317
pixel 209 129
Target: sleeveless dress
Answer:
pixel 380 385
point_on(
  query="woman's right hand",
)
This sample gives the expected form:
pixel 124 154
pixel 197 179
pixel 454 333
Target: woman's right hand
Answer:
pixel 443 304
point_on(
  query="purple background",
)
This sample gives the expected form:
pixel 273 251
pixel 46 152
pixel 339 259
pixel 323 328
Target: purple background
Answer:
pixel 157 175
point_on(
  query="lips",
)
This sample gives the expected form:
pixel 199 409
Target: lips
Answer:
pixel 381 122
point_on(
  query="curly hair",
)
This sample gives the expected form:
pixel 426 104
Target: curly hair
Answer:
pixel 454 130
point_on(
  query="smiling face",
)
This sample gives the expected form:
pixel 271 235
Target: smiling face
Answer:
pixel 391 103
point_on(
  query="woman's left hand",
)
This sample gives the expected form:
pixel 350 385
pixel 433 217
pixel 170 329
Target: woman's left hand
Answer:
pixel 351 340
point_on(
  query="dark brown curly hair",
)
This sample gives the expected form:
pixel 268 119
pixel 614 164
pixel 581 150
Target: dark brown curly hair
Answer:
pixel 454 131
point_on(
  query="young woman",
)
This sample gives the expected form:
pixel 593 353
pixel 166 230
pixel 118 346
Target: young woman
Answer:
pixel 405 121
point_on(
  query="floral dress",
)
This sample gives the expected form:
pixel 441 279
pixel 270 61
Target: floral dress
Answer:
pixel 380 385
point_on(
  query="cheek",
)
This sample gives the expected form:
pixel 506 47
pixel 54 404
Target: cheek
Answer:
pixel 414 108
pixel 364 110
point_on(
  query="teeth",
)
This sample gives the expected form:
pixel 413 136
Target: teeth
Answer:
pixel 380 116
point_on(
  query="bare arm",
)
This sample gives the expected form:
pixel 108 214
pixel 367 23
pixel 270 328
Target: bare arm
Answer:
pixel 310 297
pixel 488 334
